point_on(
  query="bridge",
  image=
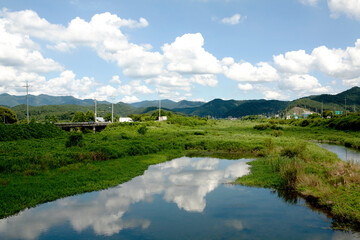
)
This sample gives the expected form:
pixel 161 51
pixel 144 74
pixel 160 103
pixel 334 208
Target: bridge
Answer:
pixel 95 126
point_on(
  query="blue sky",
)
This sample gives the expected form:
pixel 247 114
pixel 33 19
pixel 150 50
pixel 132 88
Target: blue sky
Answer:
pixel 179 49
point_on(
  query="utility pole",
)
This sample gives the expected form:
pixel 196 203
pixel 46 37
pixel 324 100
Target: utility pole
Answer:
pixel 345 107
pixel 27 101
pixel 112 109
pixel 159 108
pixel 95 109
pixel 322 109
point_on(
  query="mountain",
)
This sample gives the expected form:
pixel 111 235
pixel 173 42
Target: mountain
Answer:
pixel 330 102
pixel 257 107
pixel 169 104
pixel 66 112
pixel 219 108
pixel 64 107
pixel 42 99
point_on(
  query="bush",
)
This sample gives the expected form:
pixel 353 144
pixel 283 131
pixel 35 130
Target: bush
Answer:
pixel 142 130
pixel 277 133
pixel 262 126
pixel 75 139
pixel 28 131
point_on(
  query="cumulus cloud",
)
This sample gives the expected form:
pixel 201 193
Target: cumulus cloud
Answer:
pixel 134 87
pixel 67 84
pixel 115 80
pixel 246 72
pixel 303 84
pixel 233 20
pixel 245 87
pixel 170 80
pixel 341 64
pixel 130 99
pixel 187 55
pixel 351 8
pixel 102 33
pixel 294 62
pixel 205 79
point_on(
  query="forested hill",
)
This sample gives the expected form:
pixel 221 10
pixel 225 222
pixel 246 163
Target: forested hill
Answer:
pixel 167 104
pixel 41 100
pixel 330 102
pixel 231 108
pixel 65 107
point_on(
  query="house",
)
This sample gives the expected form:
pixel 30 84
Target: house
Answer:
pixel 125 119
pixel 163 118
pixel 100 119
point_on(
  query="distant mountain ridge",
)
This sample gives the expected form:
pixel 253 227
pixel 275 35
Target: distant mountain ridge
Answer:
pixel 42 100
pixel 216 108
pixel 166 103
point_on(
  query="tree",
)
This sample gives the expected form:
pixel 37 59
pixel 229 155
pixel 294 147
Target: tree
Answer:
pixel 328 113
pixel 107 117
pixel 79 117
pixel 89 116
pixel 7 115
pixel 51 119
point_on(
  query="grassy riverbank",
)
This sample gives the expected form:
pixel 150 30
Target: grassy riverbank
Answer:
pixel 34 171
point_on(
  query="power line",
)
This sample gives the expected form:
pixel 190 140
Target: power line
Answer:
pixel 27 100
pixel 112 109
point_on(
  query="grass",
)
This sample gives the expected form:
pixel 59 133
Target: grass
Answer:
pixel 34 171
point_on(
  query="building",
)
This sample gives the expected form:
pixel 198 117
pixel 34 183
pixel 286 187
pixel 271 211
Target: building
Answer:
pixel 100 119
pixel 125 119
pixel 163 118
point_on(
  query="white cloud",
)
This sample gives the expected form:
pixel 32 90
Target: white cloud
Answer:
pixel 170 80
pixel 271 95
pixel 246 72
pixel 351 82
pixel 303 84
pixel 115 80
pixel 104 93
pixel 351 8
pixel 205 79
pixel 245 87
pixel 67 85
pixel 130 99
pixel 134 87
pixel 187 55
pixel 101 33
pixel 294 62
pixel 233 20
pixel 309 2
pixel 19 51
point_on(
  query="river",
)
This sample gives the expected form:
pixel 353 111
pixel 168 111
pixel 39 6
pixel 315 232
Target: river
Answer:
pixel 186 198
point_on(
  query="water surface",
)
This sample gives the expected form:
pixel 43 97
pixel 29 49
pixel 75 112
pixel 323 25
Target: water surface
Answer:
pixel 186 198
pixel 344 153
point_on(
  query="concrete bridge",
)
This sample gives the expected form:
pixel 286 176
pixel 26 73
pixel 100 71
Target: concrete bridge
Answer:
pixel 95 126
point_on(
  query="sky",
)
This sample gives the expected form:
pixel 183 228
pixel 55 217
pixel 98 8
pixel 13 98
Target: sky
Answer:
pixel 197 50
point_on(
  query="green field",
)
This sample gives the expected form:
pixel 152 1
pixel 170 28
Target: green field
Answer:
pixel 45 167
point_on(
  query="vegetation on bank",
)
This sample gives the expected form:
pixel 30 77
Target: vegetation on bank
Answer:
pixel 39 169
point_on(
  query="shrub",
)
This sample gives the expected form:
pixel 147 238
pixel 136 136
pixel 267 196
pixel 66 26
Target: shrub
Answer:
pixel 75 139
pixel 261 126
pixel 277 133
pixel 142 130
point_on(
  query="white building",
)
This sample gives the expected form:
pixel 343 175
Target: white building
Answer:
pixel 100 119
pixel 125 119
pixel 163 118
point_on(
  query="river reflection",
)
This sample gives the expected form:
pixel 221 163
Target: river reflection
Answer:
pixel 180 199
pixel 184 181
pixel 345 154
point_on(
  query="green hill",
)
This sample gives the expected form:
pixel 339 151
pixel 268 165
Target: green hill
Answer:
pixel 42 99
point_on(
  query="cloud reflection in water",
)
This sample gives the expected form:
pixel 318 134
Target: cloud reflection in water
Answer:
pixel 184 181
